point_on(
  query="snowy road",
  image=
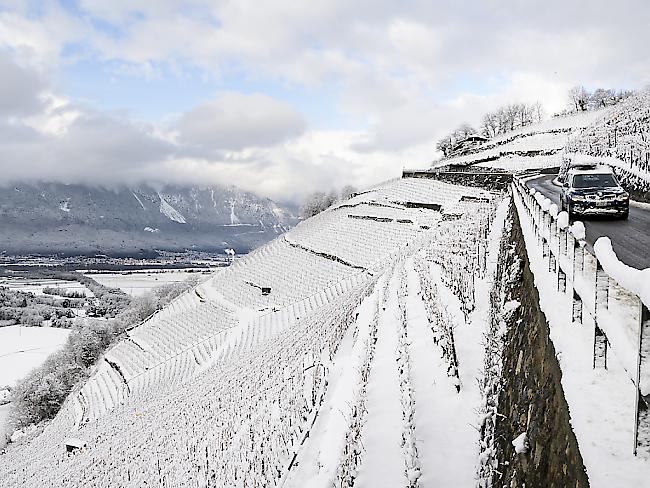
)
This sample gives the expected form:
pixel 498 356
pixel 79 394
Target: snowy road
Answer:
pixel 630 238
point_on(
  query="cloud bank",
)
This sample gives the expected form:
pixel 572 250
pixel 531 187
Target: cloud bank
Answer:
pixel 392 79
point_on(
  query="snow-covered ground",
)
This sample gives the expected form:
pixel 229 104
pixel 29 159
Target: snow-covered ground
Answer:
pixel 138 283
pixel 36 286
pixel 532 147
pixel 601 401
pixel 23 349
pixel 233 386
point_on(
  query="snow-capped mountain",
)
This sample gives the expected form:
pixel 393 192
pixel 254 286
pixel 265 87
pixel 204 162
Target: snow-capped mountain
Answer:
pixel 81 219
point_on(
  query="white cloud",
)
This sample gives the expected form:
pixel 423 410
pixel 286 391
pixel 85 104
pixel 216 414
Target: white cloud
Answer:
pixel 20 88
pixel 405 73
pixel 235 121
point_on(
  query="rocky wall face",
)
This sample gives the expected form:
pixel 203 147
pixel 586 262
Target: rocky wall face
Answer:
pixel 531 399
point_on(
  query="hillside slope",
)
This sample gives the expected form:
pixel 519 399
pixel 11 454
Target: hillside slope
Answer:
pixel 624 134
pixel 267 373
pixel 534 146
pixel 77 219
pixel 619 135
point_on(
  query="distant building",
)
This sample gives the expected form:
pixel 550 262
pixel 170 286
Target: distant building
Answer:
pixel 73 444
pixel 466 145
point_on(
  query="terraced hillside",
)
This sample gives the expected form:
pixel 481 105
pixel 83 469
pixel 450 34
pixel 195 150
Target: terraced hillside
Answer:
pixel 534 146
pixel 618 135
pixel 275 370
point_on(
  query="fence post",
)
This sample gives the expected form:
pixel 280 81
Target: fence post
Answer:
pixel 561 241
pixel 551 260
pixel 600 302
pixel 576 310
pixel 642 403
pixel 578 258
pixel 602 287
pixel 561 280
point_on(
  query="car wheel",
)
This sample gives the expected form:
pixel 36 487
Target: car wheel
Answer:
pixel 625 215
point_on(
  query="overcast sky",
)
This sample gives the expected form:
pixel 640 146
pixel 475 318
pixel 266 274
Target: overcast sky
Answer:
pixel 285 97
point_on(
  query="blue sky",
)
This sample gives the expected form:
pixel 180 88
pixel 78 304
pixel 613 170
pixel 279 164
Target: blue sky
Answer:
pixel 285 97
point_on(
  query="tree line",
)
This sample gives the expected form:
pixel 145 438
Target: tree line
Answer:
pixel 581 100
pixel 515 116
pixel 504 119
pixel 318 201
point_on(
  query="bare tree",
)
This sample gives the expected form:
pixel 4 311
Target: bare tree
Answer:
pixel 347 191
pixel 600 98
pixel 447 143
pixel 578 98
pixel 490 125
pixel 317 202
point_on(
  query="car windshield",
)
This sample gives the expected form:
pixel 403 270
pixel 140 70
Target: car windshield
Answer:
pixel 594 181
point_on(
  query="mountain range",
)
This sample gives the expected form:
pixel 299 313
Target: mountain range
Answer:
pixel 57 218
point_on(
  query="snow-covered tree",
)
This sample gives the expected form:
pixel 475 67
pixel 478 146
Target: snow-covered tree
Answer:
pixel 347 191
pixel 578 98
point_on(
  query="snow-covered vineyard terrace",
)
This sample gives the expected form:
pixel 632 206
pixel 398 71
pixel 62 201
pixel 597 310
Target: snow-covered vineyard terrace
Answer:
pixel 353 350
pixel 340 373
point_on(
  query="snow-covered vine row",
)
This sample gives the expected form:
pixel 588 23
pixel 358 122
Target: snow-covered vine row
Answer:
pixel 348 466
pixel 460 249
pixel 440 320
pixel 508 273
pixel 409 448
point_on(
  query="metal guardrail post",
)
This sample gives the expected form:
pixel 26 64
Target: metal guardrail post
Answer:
pixel 642 403
pixel 561 280
pixel 600 348
pixel 576 309
pixel 602 288
pixel 578 258
pixel 551 260
pixel 600 303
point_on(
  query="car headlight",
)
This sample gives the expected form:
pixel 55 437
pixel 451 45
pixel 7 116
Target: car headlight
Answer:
pixel 621 198
pixel 577 198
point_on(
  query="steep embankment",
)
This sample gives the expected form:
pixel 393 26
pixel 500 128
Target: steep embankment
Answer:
pixel 527 433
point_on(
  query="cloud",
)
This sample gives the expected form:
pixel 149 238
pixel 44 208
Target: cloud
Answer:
pixel 397 77
pixel 95 148
pixel 20 88
pixel 235 121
